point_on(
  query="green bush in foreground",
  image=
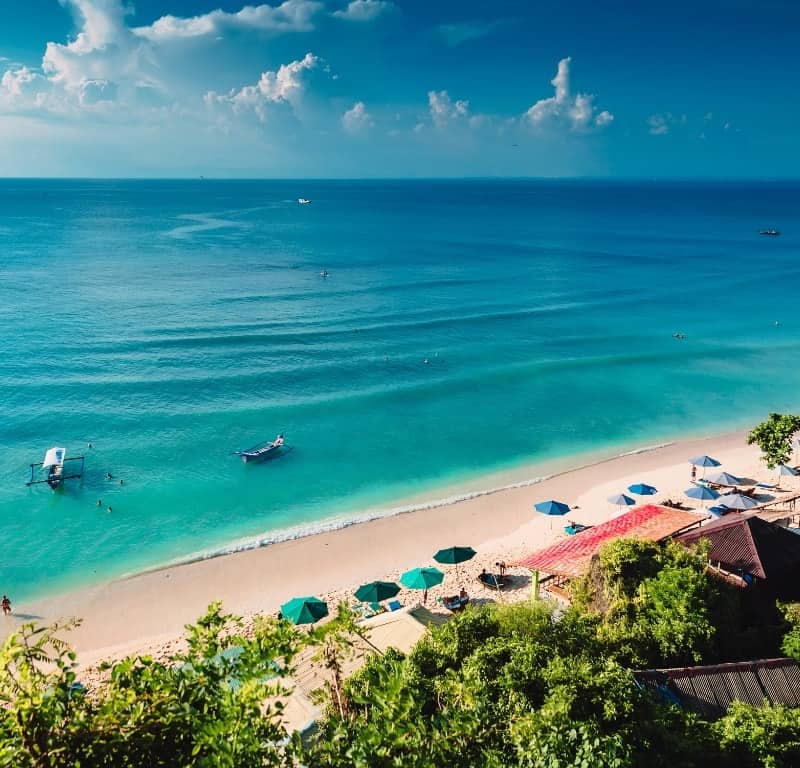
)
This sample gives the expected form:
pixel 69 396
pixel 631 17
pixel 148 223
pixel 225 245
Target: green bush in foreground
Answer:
pixel 206 707
pixel 497 686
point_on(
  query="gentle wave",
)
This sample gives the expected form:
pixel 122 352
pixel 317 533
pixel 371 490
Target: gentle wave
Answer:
pixel 338 523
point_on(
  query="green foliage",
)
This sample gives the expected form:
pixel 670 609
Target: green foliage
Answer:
pixel 768 736
pixel 774 438
pixel 791 640
pixel 655 602
pixel 515 686
pixel 214 705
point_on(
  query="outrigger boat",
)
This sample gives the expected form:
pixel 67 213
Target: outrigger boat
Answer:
pixel 261 451
pixel 54 461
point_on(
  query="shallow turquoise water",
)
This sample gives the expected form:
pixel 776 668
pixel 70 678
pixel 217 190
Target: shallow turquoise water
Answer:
pixel 170 323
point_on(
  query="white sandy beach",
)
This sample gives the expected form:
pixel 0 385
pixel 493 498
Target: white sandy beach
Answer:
pixel 149 610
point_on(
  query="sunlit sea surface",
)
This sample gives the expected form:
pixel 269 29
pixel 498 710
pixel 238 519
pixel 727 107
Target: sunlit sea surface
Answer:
pixel 465 328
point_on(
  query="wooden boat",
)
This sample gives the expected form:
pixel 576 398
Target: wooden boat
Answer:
pixel 54 462
pixel 262 450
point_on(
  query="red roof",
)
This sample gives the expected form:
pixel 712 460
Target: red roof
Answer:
pixel 571 556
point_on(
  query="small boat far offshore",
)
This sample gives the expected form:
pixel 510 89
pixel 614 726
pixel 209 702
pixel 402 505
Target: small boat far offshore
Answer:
pixel 261 451
pixel 303 201
pixel 770 232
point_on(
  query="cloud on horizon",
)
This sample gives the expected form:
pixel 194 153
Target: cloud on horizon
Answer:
pixel 562 109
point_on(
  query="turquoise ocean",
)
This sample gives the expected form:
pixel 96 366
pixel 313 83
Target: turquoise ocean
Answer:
pixel 466 328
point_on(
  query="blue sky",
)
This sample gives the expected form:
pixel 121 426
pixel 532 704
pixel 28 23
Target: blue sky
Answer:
pixel 354 88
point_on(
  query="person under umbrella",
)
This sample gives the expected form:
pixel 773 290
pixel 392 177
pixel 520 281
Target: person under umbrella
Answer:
pixel 702 461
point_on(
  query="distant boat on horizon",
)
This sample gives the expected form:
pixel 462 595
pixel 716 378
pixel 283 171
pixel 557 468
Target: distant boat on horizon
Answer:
pixel 770 232
pixel 303 201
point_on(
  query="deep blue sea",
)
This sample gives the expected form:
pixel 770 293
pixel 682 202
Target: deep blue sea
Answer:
pixel 465 328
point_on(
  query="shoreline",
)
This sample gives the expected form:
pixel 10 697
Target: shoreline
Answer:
pixel 417 503
pixel 151 608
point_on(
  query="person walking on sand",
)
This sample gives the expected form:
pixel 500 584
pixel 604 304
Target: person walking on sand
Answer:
pixel 6 605
pixel 694 472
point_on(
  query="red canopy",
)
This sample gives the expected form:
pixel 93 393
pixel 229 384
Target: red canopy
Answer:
pixel 571 556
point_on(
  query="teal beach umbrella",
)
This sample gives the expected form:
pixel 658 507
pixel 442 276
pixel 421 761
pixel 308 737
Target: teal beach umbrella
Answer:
pixel 377 591
pixel 422 578
pixel 304 610
pixel 454 556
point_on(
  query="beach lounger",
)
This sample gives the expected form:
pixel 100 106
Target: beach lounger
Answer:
pixel 454 603
pixel 574 528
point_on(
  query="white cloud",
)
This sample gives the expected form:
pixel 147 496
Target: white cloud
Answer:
pixel 659 125
pixel 22 88
pixel 289 16
pixel 444 110
pixel 285 85
pixel 356 119
pixel 578 113
pixel 364 10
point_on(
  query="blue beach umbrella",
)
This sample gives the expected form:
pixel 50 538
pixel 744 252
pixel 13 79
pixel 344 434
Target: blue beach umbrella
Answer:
pixel 621 500
pixel 724 478
pixel 552 507
pixel 704 461
pixel 642 489
pixel 737 501
pixel 702 493
pixel 784 470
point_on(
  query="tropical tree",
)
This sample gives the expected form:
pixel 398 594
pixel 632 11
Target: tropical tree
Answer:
pixel 218 704
pixel 774 438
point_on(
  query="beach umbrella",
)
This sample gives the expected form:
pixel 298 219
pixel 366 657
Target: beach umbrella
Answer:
pixel 642 489
pixel 422 578
pixel 621 500
pixel 454 556
pixel 704 461
pixel 724 478
pixel 784 470
pixel 377 591
pixel 304 610
pixel 702 493
pixel 737 501
pixel 552 507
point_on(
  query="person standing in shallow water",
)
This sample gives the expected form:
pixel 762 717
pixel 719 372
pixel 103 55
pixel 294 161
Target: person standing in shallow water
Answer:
pixel 6 604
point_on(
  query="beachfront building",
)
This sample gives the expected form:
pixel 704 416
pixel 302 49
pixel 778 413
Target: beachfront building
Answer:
pixel 751 552
pixel 555 566
pixel 708 691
